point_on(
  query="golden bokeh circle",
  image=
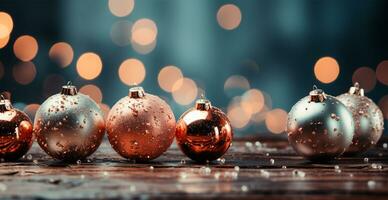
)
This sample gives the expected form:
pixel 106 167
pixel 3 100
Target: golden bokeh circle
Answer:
pixel 89 65
pixel 25 48
pixel 276 121
pixel 62 53
pixel 132 72
pixel 252 101
pixel 6 25
pixel 4 41
pixel 229 16
pixel 144 32
pixel 168 76
pixel 121 8
pixel 326 69
pixel 92 91
pixel 24 72
pixel 366 77
pixel 184 91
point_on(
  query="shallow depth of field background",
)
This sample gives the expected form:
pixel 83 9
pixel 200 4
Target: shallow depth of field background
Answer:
pixel 254 58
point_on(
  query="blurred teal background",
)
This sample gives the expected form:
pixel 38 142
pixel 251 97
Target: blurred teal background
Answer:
pixel 274 47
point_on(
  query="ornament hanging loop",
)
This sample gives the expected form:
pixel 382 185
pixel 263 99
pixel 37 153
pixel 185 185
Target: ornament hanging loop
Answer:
pixel 317 95
pixel 356 90
pixel 5 104
pixel 202 103
pixel 69 89
pixel 136 92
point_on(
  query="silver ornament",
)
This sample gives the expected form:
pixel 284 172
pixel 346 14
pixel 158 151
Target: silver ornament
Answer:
pixel 69 126
pixel 320 127
pixel 368 119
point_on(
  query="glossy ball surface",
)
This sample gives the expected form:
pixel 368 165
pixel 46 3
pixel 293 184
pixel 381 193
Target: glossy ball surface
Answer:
pixel 141 129
pixel 204 135
pixel 16 134
pixel 320 131
pixel 368 119
pixel 69 128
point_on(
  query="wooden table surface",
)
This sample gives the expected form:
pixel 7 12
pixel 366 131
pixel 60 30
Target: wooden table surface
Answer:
pixel 250 170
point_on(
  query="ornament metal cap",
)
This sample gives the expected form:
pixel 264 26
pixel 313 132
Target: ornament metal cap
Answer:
pixel 356 90
pixel 5 104
pixel 317 95
pixel 69 89
pixel 136 92
pixel 202 103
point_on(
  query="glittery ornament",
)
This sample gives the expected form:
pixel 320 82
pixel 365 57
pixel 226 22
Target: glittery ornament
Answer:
pixel 368 119
pixel 320 127
pixel 69 126
pixel 140 126
pixel 16 133
pixel 204 132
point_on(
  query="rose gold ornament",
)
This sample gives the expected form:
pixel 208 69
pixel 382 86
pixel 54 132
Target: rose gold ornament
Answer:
pixel 16 133
pixel 140 126
pixel 204 132
pixel 69 126
pixel 368 118
pixel 320 127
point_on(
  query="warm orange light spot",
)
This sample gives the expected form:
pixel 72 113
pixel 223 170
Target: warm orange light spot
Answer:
pixel 25 48
pixel 382 72
pixel 366 77
pixel 121 8
pixel 92 91
pixel 31 109
pixel 144 31
pixel 62 53
pixel 326 69
pixel 184 91
pixel 132 71
pixel 120 33
pixel 4 41
pixel 24 72
pixel 143 49
pixel 168 76
pixel 276 121
pixel 6 25
pixel 238 117
pixel 236 81
pixel 229 16
pixel 383 104
pixel 89 65
pixel 252 101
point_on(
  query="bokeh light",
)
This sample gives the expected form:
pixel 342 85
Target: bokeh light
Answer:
pixel 366 77
pixel 89 65
pixel 276 121
pixel 121 8
pixel 24 72
pixel 25 48
pixel 383 104
pixel 236 85
pixel 105 109
pixel 6 25
pixel 144 31
pixel 132 71
pixel 92 91
pixel 252 101
pixel 143 49
pixel 238 117
pixel 184 91
pixel 168 76
pixel 326 69
pixel 31 109
pixel 229 16
pixel 62 53
pixel 382 72
pixel 53 84
pixel 4 41
pixel 120 33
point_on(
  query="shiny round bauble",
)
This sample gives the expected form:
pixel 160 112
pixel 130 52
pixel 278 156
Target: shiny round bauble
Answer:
pixel 140 126
pixel 204 132
pixel 368 119
pixel 69 126
pixel 320 127
pixel 16 132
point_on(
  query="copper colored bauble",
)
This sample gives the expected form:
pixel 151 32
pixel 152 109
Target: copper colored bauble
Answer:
pixel 320 127
pixel 69 126
pixel 368 119
pixel 16 133
pixel 140 126
pixel 204 132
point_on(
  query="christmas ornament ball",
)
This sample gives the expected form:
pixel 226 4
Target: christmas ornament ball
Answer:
pixel 140 126
pixel 368 119
pixel 16 132
pixel 204 132
pixel 69 126
pixel 320 127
